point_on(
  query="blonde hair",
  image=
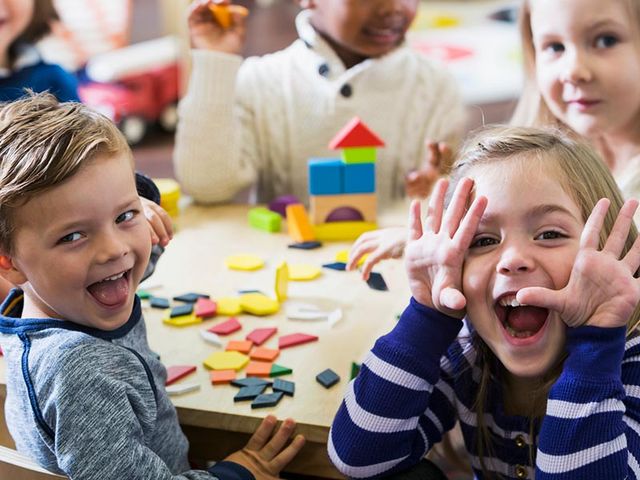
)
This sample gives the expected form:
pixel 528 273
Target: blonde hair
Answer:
pixel 585 178
pixel 43 143
pixel 531 109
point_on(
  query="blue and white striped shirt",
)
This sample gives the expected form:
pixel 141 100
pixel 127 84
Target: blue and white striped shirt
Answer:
pixel 422 377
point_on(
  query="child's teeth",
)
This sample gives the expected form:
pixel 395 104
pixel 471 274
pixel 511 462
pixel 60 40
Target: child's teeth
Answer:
pixel 115 277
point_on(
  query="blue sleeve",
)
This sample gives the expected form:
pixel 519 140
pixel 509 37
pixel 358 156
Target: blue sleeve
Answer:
pixel 146 188
pixel 591 427
pixel 65 85
pixel 231 471
pixel 395 410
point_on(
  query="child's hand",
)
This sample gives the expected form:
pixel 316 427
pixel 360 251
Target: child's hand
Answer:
pixel 380 245
pixel 434 255
pixel 159 222
pixel 264 455
pixel 207 34
pixel 602 290
pixel 418 183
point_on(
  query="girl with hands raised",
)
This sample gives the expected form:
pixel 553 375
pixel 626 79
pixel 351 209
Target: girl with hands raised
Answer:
pixel 535 253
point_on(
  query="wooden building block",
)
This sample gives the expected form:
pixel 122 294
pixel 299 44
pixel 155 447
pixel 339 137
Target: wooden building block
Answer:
pixel 325 176
pixel 355 134
pixel 359 155
pixel 264 219
pixel 264 354
pixel 341 231
pixel 300 229
pixel 359 178
pixel 222 376
pixel 258 369
pixel 242 346
pixel 321 206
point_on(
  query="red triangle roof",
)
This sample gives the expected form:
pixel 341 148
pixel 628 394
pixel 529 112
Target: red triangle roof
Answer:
pixel 355 134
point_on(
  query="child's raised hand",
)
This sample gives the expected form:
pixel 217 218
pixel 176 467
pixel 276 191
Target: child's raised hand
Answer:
pixel 435 253
pixel 380 245
pixel 418 183
pixel 159 220
pixel 265 455
pixel 207 34
pixel 602 290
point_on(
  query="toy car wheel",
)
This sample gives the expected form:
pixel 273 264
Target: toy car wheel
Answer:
pixel 169 117
pixel 133 128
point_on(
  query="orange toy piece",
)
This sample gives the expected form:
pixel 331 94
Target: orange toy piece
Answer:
pixel 300 229
pixel 242 346
pixel 259 369
pixel 264 354
pixel 223 13
pixel 222 376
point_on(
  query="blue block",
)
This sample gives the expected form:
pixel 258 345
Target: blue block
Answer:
pixel 325 176
pixel 359 178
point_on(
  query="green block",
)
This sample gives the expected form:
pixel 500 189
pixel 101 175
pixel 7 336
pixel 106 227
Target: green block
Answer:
pixel 264 219
pixel 359 155
pixel 355 369
pixel 143 294
pixel 279 370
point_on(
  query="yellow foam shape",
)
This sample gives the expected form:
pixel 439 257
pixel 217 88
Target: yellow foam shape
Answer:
pixel 342 231
pixel 282 281
pixel 222 13
pixel 244 262
pixel 343 256
pixel 303 272
pixel 228 306
pixel 445 21
pixel 231 360
pixel 182 320
pixel 258 304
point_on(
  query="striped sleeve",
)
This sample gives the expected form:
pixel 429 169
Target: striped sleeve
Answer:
pixel 591 428
pixel 392 413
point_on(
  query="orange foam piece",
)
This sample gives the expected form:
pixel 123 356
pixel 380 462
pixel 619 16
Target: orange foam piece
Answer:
pixel 223 13
pixel 298 223
pixel 258 369
pixel 243 346
pixel 264 354
pixel 222 376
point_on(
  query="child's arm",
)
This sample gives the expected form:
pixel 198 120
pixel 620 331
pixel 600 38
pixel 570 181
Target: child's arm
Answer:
pixel 418 183
pixel 402 401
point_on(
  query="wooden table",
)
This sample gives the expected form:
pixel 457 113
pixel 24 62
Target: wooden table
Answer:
pixel 215 424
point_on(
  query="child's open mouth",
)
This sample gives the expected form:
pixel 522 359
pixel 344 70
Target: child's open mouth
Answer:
pixel 520 321
pixel 112 291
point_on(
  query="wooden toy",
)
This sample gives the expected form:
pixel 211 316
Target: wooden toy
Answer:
pixel 159 302
pixel 169 195
pixel 258 369
pixel 228 306
pixel 306 245
pixel 223 13
pixel 264 354
pixel 249 393
pixel 222 376
pixel 282 281
pixel 182 321
pixel 321 207
pixel 261 335
pixel 211 338
pixel 205 308
pixel 359 178
pixel 327 378
pixel 176 372
pixel 267 400
pixel 339 266
pixel 303 272
pixel 343 256
pixel 340 231
pixel 376 282
pixel 355 134
pixel 279 370
pixel 180 389
pixel 181 310
pixel 242 346
pixel 249 382
pixel 306 312
pixel 298 224
pixel 227 327
pixel 226 361
pixel 284 386
pixel 279 205
pixel 190 297
pixel 326 176
pixel 258 304
pixel 294 339
pixel 264 219
pixel 244 262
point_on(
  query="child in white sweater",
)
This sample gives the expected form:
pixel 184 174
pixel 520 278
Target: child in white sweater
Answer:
pixel 258 121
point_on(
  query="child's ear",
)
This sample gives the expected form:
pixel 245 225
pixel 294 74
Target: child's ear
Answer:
pixel 9 271
pixel 307 4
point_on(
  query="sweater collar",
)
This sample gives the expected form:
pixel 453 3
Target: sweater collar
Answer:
pixel 11 321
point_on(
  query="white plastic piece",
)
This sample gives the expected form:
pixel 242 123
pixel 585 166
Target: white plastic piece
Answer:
pixel 179 388
pixel 303 311
pixel 211 338
pixel 335 317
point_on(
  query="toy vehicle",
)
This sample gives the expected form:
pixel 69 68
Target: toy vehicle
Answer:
pixel 135 86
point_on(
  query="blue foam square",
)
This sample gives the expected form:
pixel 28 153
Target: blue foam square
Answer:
pixel 359 178
pixel 325 176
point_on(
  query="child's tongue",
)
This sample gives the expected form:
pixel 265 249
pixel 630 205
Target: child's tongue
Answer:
pixel 527 319
pixel 110 292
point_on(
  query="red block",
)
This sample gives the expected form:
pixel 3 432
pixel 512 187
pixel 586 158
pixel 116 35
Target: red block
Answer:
pixel 205 308
pixel 261 335
pixel 176 372
pixel 294 339
pixel 227 327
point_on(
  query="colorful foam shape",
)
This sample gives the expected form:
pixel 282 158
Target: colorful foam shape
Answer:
pixel 359 155
pixel 284 386
pixel 181 310
pixel 342 231
pixel 302 272
pixel 224 13
pixel 306 245
pixel 343 256
pixel 176 372
pixel 323 207
pixel 244 261
pixel 258 369
pixel 359 178
pixel 300 229
pixel 282 281
pixel 355 134
pixel 143 294
pixel 218 377
pixel 242 346
pixel 279 205
pixel 226 361
pixel 190 297
pixel 249 381
pixel 205 308
pixel 267 400
pixel 180 388
pixel 279 370
pixel 159 302
pixel 294 339
pixel 229 306
pixel 264 354
pixel 327 378
pixel 339 266
pixel 182 321
pixel 261 335
pixel 211 338
pixel 325 176
pixel 376 282
pixel 264 219
pixel 227 327
pixel 258 304
pixel 249 393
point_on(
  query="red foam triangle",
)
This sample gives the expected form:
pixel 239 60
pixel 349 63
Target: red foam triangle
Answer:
pixel 355 134
pixel 295 339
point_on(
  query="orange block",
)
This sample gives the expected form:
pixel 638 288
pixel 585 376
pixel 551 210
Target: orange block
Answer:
pixel 298 223
pixel 243 346
pixel 264 354
pixel 258 369
pixel 223 13
pixel 222 376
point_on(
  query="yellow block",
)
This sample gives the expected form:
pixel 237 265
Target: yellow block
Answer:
pixel 282 281
pixel 303 272
pixel 343 256
pixel 169 194
pixel 222 13
pixel 258 304
pixel 228 306
pixel 182 320
pixel 337 231
pixel 244 262
pixel 226 361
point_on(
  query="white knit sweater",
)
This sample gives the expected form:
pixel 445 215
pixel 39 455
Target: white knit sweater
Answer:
pixel 260 120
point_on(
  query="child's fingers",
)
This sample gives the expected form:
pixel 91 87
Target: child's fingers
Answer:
pixel 152 233
pixel 620 231
pixel 458 205
pixel 433 154
pixel 632 258
pixel 364 244
pixel 590 237
pixel 285 456
pixel 452 299
pixel 541 297
pixel 262 434
pixel 436 206
pixel 415 222
pixel 372 260
pixel 278 440
pixel 469 225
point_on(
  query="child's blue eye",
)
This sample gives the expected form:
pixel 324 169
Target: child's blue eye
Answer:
pixel 483 242
pixel 550 235
pixel 72 237
pixel 555 47
pixel 126 216
pixel 606 41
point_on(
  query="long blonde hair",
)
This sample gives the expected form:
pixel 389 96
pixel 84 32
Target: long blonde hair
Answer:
pixel 586 179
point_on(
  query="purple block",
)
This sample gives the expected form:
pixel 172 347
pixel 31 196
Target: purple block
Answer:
pixel 279 205
pixel 345 214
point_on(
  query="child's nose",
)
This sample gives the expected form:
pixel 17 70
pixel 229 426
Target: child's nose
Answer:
pixel 111 247
pixel 513 260
pixel 576 67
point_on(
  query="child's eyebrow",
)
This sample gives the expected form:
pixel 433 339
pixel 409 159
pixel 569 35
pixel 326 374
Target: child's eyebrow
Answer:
pixel 532 214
